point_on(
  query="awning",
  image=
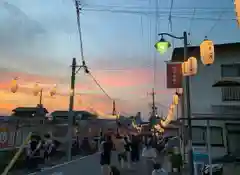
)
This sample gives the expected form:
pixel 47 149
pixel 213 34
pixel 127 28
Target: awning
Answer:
pixel 227 83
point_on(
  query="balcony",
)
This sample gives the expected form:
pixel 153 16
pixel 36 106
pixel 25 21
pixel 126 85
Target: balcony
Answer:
pixel 231 94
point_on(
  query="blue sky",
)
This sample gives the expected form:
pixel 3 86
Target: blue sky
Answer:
pixel 40 37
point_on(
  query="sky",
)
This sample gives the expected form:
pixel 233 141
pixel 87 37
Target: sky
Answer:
pixel 39 38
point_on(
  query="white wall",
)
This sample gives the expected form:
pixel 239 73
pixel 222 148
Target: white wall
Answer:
pixel 203 95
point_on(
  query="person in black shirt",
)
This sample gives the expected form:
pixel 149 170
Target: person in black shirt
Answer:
pixel 136 144
pixel 128 150
pixel 105 159
pixel 33 152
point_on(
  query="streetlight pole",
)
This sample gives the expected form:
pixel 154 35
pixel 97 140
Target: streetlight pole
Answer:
pixel 186 98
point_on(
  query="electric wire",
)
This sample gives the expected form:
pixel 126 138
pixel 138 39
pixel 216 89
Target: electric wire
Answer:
pixel 99 85
pixel 78 8
pixel 155 53
pixel 190 23
pixel 163 15
pixel 149 7
pixel 214 25
pixel 170 22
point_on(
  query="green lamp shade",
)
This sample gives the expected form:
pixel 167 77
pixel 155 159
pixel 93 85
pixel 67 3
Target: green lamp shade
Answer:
pixel 162 46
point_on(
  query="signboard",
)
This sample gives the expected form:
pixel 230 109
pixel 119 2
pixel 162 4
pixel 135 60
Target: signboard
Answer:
pixel 6 137
pixel 174 75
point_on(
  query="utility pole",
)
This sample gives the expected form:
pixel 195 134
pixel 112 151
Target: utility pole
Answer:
pixel 114 112
pixel 71 106
pixel 75 69
pixel 154 108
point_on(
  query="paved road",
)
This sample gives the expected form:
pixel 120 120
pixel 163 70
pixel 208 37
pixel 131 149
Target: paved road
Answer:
pixel 90 165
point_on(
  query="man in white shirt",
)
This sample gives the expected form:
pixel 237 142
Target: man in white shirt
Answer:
pixel 120 148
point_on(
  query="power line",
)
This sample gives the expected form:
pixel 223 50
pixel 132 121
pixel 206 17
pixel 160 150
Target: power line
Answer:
pixel 144 7
pixel 155 54
pixel 214 25
pixel 162 15
pixel 99 85
pixel 78 8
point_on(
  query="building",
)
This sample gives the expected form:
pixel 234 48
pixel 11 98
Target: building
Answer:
pixel 29 112
pixel 216 102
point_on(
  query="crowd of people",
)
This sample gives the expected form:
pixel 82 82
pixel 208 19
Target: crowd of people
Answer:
pixel 40 150
pixel 129 149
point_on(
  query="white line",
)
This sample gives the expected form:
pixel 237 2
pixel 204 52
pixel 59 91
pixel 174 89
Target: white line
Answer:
pixel 65 163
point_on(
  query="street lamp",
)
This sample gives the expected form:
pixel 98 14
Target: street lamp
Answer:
pixel 162 45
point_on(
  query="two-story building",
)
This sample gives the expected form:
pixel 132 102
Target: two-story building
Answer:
pixel 220 101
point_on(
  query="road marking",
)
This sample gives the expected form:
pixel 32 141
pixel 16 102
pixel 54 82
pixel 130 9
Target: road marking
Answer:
pixel 62 164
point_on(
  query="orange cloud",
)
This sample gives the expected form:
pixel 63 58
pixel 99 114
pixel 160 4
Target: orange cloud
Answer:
pixel 125 78
pixel 133 82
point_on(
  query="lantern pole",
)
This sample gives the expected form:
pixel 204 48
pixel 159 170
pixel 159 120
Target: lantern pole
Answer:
pixel 188 106
pixel 40 97
pixel 186 99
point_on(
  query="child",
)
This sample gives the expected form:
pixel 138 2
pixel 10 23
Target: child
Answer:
pixel 158 170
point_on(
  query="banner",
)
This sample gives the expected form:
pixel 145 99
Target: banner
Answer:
pixel 174 75
pixel 7 135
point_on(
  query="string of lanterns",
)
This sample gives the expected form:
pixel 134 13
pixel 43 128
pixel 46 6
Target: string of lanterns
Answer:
pixel 36 88
pixel 237 11
pixel 189 68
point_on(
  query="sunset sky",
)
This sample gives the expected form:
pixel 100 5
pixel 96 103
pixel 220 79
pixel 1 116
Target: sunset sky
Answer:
pixel 38 39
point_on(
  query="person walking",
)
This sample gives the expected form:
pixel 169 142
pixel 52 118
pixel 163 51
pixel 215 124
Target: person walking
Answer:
pixel 33 152
pixel 128 150
pixel 149 154
pixel 105 158
pixel 135 153
pixel 176 160
pixel 48 147
pixel 120 148
pixel 158 170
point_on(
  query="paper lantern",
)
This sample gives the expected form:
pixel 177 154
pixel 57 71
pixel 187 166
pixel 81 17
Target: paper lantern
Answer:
pixel 175 99
pixel 237 11
pixel 36 89
pixel 53 91
pixel 14 85
pixel 207 52
pixel 179 91
pixel 185 68
pixel 192 63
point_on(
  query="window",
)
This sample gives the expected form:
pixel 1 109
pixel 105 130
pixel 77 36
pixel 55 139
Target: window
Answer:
pixel 217 136
pixel 199 136
pixel 233 137
pixel 231 93
pixel 230 70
